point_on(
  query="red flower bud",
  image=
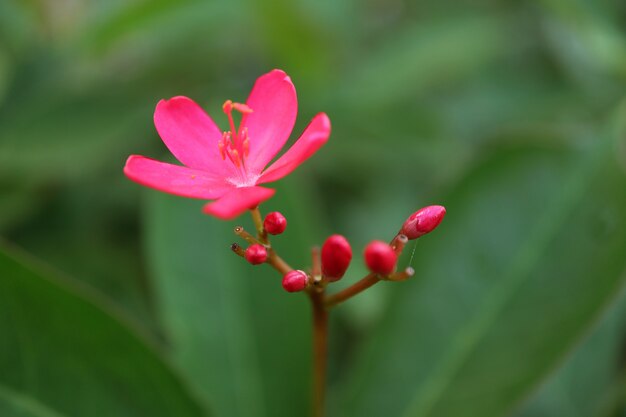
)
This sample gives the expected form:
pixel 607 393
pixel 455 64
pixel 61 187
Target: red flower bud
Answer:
pixel 380 258
pixel 256 254
pixel 336 257
pixel 423 221
pixel 295 281
pixel 275 223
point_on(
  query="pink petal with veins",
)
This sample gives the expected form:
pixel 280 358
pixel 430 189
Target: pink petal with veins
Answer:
pixel 274 107
pixel 237 201
pixel 174 179
pixel 191 135
pixel 314 136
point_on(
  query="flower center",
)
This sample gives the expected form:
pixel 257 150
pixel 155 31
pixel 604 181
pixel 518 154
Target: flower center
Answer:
pixel 235 143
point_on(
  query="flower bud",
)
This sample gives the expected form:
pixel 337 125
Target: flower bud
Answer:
pixel 275 223
pixel 423 221
pixel 256 254
pixel 295 281
pixel 380 258
pixel 336 257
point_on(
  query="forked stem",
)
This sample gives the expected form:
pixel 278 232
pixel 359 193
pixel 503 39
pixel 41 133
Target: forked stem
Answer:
pixel 352 290
pixel 258 223
pixel 320 304
pixel 397 244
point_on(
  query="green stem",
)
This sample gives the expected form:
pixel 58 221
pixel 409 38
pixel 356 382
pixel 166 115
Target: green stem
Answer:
pixel 258 223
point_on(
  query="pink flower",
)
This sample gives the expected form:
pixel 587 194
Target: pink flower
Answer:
pixel 229 166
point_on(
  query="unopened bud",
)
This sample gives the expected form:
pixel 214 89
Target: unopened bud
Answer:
pixel 423 221
pixel 275 223
pixel 256 254
pixel 380 258
pixel 336 257
pixel 295 281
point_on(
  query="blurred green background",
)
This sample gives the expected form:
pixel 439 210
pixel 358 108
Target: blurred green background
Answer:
pixel 120 301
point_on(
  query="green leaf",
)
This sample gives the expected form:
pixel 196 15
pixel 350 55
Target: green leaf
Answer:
pixel 13 404
pixel 587 40
pixel 422 57
pixel 72 136
pixel 586 384
pixel 62 351
pixel 6 69
pixel 241 340
pixel 19 200
pixel 530 252
pixel 127 18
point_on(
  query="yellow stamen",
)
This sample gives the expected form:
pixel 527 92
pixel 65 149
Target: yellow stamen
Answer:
pixel 242 108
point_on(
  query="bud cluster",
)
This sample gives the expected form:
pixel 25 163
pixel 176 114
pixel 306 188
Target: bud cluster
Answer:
pixel 331 263
pixel 258 251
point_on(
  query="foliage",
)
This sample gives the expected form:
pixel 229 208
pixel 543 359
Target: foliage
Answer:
pixel 508 113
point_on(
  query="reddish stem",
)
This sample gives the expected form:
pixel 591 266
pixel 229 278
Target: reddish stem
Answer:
pixel 352 290
pixel 320 351
pixel 277 262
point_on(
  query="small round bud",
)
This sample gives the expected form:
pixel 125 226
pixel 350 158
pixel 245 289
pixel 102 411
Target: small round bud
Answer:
pixel 295 281
pixel 256 254
pixel 336 257
pixel 423 221
pixel 275 223
pixel 380 258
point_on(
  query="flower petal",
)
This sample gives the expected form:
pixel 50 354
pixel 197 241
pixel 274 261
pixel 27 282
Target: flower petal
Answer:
pixel 237 201
pixel 314 136
pixel 191 135
pixel 274 107
pixel 174 179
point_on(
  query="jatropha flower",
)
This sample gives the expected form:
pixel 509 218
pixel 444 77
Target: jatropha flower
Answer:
pixel 229 166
